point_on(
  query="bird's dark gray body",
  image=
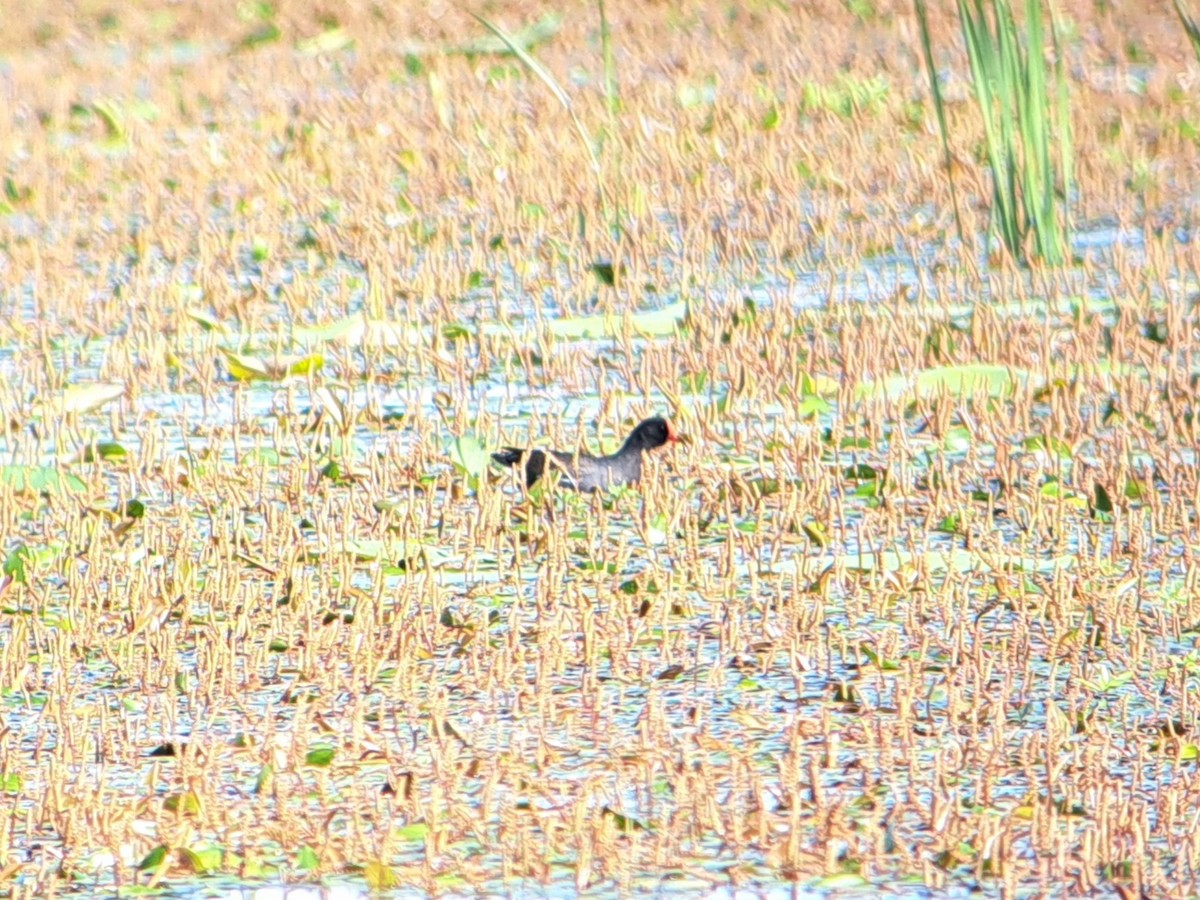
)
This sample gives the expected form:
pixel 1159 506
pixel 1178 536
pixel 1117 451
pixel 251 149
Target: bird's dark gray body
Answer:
pixel 585 472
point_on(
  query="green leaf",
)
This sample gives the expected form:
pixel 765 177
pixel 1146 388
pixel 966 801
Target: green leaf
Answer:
pixel 335 473
pixel 404 553
pixel 307 859
pixel 623 822
pixel 204 860
pixel 840 881
pixel 79 398
pixel 131 509
pixel 656 323
pixel 657 532
pixel 331 40
pixel 110 113
pixel 469 455
pixel 957 439
pixel 1055 446
pixel 360 331
pixel 262 456
pixel 380 876
pixel 457 331
pixel 266 33
pixel 263 780
pixel 860 472
pixel 206 320
pixel 243 367
pixel 604 272
pixel 818 385
pixel 995 381
pixel 260 250
pixel 16 562
pixel 319 755
pixel 414 831
pixel 812 405
pixel 952 524
pixel 187 803
pixel 39 479
pixel 816 533
pixel 103 450
pixel 154 858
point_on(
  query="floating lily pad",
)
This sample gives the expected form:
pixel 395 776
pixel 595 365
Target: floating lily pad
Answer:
pixel 401 554
pixel 361 331
pixel 654 323
pixel 80 398
pixel 109 451
pixel 1055 446
pixel 40 479
pixel 244 367
pixel 657 323
pixel 203 860
pixel 262 456
pixel 414 831
pixel 330 40
pixel 818 385
pixel 994 381
pixel 840 882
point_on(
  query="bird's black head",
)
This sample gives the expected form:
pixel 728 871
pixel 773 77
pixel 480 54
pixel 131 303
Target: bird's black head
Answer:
pixel 652 433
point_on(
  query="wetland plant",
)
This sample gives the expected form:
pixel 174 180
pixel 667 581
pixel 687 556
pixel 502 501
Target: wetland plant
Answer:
pixel 1190 27
pixel 1027 136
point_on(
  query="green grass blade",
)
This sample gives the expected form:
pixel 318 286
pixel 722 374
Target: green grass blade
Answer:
pixel 939 107
pixel 556 89
pixel 611 96
pixel 1190 28
pixel 1065 144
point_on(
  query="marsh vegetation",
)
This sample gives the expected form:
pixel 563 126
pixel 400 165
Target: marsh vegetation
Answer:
pixel 916 606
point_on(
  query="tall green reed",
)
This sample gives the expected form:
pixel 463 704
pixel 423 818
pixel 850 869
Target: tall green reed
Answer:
pixel 1027 138
pixel 1190 27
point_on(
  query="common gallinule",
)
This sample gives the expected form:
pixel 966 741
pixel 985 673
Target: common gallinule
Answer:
pixel 585 472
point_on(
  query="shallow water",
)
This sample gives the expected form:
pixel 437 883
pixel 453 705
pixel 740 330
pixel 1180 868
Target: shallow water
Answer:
pixel 763 690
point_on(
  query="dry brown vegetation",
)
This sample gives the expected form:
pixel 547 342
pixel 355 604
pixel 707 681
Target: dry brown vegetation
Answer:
pixel 917 605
